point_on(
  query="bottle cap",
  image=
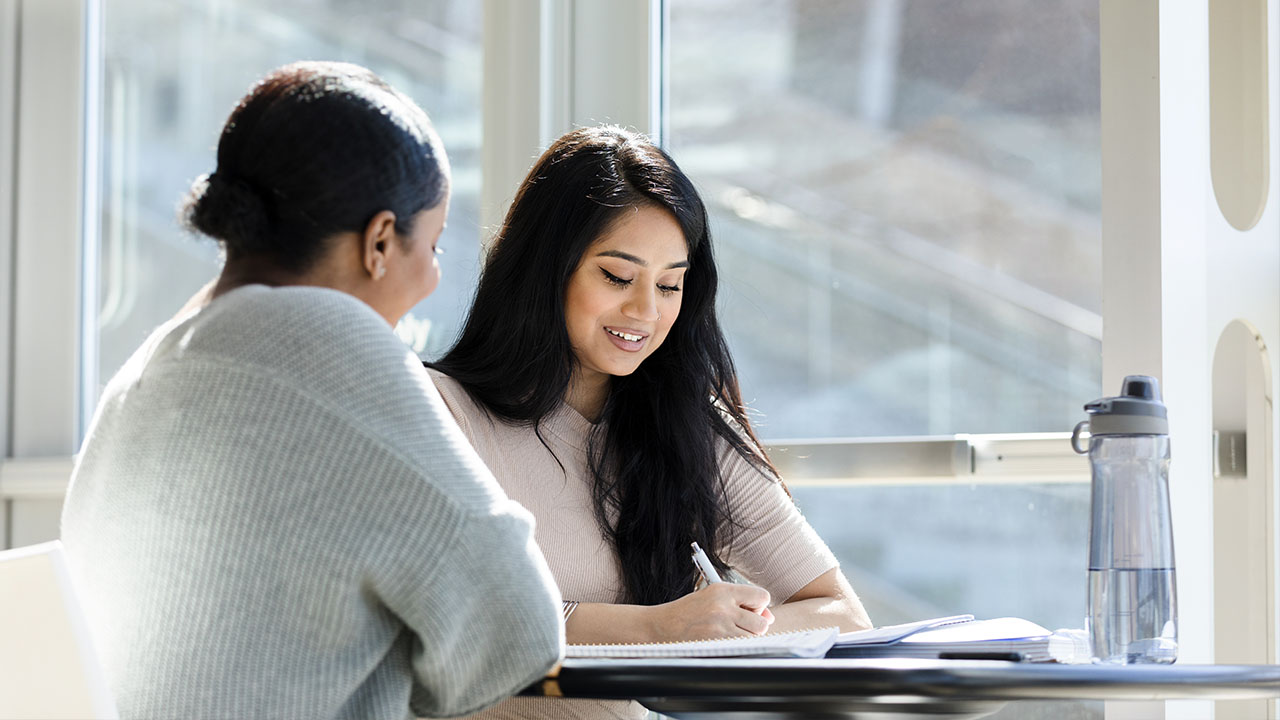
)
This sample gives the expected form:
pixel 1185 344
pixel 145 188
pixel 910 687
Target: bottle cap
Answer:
pixel 1138 410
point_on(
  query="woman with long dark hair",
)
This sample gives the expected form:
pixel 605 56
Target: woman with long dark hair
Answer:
pixel 273 514
pixel 593 378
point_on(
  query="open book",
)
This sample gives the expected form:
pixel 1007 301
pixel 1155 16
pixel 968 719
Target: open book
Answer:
pixel 959 637
pixel 801 643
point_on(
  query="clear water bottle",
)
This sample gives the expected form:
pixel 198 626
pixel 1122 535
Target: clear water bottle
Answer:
pixel 1133 610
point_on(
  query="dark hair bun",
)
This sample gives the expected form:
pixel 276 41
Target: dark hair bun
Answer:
pixel 229 210
pixel 314 150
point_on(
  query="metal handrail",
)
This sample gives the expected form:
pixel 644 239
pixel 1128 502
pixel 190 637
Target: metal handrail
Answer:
pixel 970 458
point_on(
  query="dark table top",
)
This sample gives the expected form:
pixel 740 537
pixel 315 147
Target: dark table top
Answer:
pixel 868 688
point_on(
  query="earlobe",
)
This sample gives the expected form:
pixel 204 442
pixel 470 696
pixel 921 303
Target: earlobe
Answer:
pixel 379 235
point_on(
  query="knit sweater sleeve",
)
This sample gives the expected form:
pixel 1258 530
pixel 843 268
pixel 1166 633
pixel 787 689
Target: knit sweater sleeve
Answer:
pixel 274 515
pixel 480 600
pixel 495 610
pixel 455 560
pixel 474 588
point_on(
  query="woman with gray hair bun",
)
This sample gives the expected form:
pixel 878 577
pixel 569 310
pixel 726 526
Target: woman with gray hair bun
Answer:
pixel 273 514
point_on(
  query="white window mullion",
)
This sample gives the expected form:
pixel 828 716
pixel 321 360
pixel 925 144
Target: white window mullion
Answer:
pixel 88 240
pixel 43 251
pixel 8 147
pixel 554 65
pixel 512 103
pixel 48 212
pixel 555 74
pixel 616 61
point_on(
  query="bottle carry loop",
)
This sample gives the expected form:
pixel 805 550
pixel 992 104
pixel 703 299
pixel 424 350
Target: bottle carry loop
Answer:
pixel 1075 438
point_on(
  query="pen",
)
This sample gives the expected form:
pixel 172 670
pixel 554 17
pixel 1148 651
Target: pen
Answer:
pixel 964 655
pixel 703 563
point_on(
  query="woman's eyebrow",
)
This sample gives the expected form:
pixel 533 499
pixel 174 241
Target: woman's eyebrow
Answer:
pixel 638 261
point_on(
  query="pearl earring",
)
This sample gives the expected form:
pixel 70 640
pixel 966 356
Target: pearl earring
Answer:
pixel 382 270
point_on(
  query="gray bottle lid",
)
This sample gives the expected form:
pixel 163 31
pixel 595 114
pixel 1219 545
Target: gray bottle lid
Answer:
pixel 1138 410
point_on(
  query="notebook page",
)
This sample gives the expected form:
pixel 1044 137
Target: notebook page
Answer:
pixel 800 643
pixel 891 633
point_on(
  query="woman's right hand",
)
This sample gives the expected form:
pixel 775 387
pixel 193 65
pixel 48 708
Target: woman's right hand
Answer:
pixel 717 610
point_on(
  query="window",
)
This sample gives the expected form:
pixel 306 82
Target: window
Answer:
pixel 172 73
pixel 905 197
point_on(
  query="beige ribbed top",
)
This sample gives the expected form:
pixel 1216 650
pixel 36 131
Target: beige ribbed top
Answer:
pixel 774 548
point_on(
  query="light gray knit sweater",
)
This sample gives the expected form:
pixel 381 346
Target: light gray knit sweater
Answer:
pixel 274 516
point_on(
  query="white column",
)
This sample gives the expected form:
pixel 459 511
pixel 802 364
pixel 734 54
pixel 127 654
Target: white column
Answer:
pixel 1242 268
pixel 1187 347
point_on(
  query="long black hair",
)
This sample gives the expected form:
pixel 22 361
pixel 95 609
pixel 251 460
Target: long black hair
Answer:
pixel 315 149
pixel 654 457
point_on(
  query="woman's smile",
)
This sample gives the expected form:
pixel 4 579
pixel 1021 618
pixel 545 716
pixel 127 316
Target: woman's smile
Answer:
pixel 629 340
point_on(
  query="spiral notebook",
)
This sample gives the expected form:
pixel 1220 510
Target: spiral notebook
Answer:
pixel 798 644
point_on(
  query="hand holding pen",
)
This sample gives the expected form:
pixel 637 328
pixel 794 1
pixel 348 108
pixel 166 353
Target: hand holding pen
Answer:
pixel 719 610
pixel 725 608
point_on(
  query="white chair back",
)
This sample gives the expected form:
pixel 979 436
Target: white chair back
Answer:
pixel 48 667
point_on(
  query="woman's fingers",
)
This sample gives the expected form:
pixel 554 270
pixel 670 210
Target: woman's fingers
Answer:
pixel 752 622
pixel 755 599
pixel 750 606
pixel 717 610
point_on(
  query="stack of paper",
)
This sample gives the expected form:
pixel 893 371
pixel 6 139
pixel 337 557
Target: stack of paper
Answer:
pixel 958 637
pixel 801 643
